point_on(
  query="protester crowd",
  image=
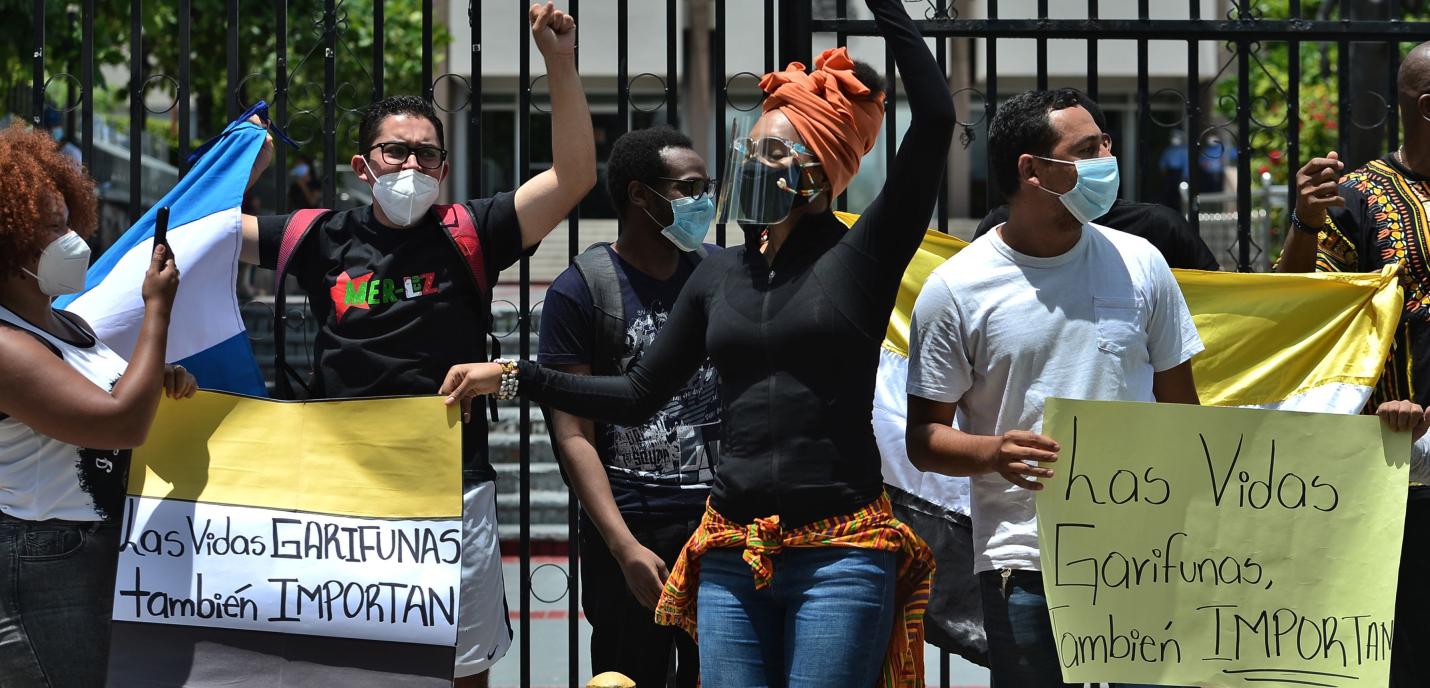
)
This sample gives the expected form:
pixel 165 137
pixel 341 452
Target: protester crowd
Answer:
pixel 710 407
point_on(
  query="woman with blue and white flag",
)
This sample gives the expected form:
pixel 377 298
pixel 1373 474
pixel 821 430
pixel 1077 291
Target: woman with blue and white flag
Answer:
pixel 64 394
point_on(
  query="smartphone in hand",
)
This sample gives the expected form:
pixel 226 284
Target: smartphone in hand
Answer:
pixel 161 230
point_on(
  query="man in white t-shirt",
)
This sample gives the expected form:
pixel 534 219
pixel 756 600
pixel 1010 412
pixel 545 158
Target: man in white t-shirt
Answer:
pixel 1045 305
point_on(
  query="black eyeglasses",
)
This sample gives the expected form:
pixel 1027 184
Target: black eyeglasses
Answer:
pixel 397 152
pixel 694 188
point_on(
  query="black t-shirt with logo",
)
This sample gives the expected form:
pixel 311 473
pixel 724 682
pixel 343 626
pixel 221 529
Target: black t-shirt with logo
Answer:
pixel 397 308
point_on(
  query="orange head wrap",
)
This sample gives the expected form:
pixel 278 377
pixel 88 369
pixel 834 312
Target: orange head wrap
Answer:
pixel 832 111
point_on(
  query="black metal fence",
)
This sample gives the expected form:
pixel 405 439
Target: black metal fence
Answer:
pixel 319 62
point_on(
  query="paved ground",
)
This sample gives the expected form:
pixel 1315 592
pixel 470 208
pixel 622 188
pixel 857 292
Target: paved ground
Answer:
pixel 550 635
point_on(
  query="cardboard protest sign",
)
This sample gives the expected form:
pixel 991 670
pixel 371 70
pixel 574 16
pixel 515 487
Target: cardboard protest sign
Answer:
pixel 1186 545
pixel 291 543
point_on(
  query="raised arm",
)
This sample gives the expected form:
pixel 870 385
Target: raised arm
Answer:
pixel 893 225
pixel 1317 191
pixel 546 200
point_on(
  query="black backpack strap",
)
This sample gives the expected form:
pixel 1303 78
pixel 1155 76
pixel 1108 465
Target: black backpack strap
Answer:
pixel 298 227
pixel 598 270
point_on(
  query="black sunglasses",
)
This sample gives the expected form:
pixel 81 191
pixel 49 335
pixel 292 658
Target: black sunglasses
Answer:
pixel 694 188
pixel 396 153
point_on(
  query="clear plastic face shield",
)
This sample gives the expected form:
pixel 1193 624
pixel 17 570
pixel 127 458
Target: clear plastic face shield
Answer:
pixel 765 178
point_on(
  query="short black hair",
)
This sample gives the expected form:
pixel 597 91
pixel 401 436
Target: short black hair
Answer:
pixel 1092 109
pixel 635 157
pixel 870 77
pixel 1020 126
pixel 376 113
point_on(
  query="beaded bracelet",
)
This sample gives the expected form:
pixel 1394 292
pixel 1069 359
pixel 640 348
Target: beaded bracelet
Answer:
pixel 1300 225
pixel 509 383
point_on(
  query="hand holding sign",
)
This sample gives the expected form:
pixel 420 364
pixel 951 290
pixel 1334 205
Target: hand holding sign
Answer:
pixel 1405 416
pixel 1013 455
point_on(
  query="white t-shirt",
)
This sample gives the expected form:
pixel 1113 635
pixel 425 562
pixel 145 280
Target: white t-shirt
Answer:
pixel 1000 332
pixel 43 478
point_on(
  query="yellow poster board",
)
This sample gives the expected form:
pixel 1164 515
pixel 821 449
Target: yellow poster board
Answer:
pixel 1200 546
pixel 394 457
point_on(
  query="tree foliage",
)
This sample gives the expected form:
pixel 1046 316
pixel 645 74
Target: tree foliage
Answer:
pixel 1318 110
pixel 257 57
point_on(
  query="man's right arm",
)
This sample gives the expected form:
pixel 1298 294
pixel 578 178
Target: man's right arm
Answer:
pixel 248 252
pixel 935 446
pixel 940 373
pixel 576 447
pixel 1317 191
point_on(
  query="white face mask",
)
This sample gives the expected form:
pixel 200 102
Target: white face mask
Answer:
pixel 404 196
pixel 62 266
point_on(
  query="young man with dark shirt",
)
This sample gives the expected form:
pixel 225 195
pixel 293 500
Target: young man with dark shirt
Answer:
pixel 397 304
pixel 642 488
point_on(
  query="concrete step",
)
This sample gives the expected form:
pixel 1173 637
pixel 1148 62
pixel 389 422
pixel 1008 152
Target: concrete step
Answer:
pixel 547 507
pixel 544 476
pixel 540 532
pixel 504 447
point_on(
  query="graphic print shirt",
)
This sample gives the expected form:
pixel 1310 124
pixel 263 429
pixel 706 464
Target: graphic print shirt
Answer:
pixel 43 478
pixel 396 308
pixel 663 467
pixel 1386 221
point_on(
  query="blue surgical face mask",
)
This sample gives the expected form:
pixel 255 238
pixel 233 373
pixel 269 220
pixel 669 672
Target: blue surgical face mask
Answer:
pixel 690 221
pixel 1096 188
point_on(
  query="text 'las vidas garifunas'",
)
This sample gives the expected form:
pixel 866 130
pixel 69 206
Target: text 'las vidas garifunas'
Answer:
pixel 314 518
pixel 1189 545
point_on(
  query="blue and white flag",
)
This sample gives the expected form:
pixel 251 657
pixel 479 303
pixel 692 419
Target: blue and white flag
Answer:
pixel 206 333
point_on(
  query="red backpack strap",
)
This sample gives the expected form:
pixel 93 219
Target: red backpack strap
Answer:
pixel 461 228
pixel 298 226
pixel 299 223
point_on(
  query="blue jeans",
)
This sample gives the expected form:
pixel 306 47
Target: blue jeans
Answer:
pixel 1021 650
pixel 56 594
pixel 823 621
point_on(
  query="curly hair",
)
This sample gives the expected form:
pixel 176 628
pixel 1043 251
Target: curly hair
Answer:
pixel 32 172
pixel 867 75
pixel 636 157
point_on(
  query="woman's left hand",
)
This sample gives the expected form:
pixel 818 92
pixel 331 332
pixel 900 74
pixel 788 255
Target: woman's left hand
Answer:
pixel 179 383
pixel 470 380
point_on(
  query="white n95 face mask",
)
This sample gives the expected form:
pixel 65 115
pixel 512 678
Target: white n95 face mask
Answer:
pixel 62 266
pixel 404 195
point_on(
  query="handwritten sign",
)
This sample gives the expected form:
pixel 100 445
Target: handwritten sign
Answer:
pixel 336 519
pixel 1207 546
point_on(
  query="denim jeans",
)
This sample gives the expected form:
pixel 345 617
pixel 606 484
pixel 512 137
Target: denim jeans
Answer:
pixel 56 593
pixel 1021 650
pixel 624 634
pixel 823 621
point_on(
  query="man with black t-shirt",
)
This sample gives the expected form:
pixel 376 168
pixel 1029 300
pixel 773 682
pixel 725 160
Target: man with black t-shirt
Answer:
pixel 1161 226
pixel 643 487
pixel 397 304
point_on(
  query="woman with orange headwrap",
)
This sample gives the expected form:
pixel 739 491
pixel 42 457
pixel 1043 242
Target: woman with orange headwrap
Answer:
pixel 798 569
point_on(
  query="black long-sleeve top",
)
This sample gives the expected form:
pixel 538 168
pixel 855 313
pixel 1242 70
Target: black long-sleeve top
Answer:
pixel 796 341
